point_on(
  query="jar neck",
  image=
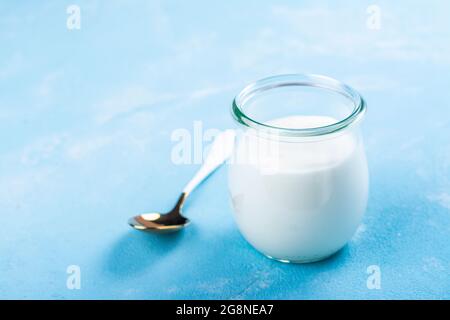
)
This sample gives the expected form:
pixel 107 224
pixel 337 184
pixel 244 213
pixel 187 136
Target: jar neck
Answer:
pixel 297 82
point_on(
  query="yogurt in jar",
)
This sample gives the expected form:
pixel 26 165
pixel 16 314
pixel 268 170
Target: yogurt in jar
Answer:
pixel 303 201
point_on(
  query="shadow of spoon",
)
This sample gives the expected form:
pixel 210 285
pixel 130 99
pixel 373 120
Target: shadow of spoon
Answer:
pixel 136 252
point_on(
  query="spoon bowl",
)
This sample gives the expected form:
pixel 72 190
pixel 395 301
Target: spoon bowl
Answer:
pixel 161 222
pixel 141 222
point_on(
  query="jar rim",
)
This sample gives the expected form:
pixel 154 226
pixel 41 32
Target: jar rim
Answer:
pixel 303 80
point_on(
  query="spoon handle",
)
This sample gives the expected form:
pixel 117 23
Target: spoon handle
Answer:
pixel 220 151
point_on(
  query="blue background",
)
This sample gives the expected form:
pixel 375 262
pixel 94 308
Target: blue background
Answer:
pixel 87 115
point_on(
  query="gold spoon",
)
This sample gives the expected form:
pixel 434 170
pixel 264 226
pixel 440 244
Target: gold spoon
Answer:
pixel 173 220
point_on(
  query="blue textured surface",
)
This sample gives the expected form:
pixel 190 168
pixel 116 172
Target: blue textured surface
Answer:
pixel 86 118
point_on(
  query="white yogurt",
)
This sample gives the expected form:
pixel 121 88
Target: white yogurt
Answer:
pixel 303 201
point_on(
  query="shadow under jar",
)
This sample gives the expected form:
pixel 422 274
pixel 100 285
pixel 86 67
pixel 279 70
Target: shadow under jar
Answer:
pixel 298 178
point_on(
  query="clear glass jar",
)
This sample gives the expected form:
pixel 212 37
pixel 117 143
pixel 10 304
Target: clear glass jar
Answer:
pixel 298 178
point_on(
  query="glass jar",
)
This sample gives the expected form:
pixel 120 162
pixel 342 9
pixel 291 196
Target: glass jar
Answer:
pixel 298 178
